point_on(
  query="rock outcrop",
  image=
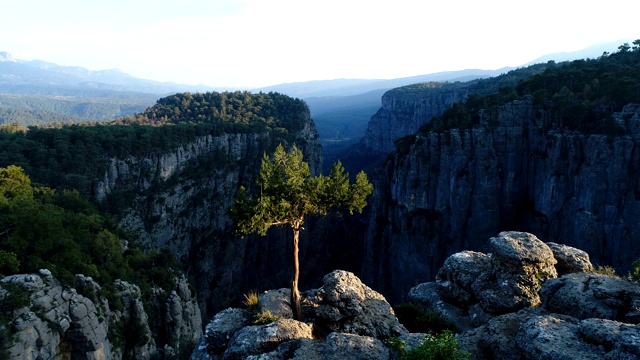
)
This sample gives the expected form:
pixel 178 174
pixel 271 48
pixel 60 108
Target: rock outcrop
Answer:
pixel 46 320
pixel 507 304
pixel 452 190
pixel 510 304
pixel 344 319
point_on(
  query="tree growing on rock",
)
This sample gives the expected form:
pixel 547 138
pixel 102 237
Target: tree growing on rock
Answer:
pixel 287 193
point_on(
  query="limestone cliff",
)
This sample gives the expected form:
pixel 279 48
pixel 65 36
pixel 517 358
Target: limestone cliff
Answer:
pixel 451 190
pixel 405 109
pixel 401 114
pixel 180 199
pixel 45 320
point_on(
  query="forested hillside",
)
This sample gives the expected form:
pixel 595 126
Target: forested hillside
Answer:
pixel 75 156
pixel 45 110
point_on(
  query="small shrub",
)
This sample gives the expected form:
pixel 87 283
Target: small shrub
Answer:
pixel 635 276
pixel 396 345
pixel 606 271
pixel 443 346
pixel 251 301
pixel 264 317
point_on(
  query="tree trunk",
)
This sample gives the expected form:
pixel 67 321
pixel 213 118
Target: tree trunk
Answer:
pixel 295 294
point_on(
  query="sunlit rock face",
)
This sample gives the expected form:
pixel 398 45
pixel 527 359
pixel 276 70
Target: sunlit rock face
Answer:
pixel 45 319
pixel 453 190
pixel 180 200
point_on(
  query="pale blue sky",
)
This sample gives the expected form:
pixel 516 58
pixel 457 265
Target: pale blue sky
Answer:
pixel 251 43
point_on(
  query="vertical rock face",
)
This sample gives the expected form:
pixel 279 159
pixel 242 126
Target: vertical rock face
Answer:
pixel 180 199
pixel 44 319
pixel 452 190
pixel 403 115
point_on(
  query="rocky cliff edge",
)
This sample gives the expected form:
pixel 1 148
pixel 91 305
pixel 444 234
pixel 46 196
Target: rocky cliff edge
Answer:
pixel 524 300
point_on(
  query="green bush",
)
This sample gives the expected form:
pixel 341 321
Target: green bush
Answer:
pixel 264 317
pixel 443 346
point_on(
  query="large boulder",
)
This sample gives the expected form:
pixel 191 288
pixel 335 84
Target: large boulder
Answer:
pixel 339 346
pixel 259 339
pixel 345 304
pixel 277 302
pixel 224 325
pixel 520 264
pixel 472 287
pixel 343 319
pixel 555 337
pixel 458 273
pixel 589 295
pixel 570 260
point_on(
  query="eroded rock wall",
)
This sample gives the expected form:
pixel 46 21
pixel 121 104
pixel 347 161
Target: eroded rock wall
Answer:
pixel 452 190
pixel 44 319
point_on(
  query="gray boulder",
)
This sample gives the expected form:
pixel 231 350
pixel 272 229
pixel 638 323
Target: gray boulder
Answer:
pixel 621 338
pixel 224 325
pixel 254 340
pixel 345 304
pixel 472 288
pixel 345 319
pixel 551 337
pixel 589 295
pixel 277 302
pixel 457 275
pixel 340 346
pixel 496 338
pixel 570 260
pixel 520 264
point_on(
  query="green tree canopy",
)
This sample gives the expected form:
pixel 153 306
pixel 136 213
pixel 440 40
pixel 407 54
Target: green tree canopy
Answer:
pixel 287 193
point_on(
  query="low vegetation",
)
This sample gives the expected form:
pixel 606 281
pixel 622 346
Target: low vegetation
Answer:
pixel 41 228
pixel 443 346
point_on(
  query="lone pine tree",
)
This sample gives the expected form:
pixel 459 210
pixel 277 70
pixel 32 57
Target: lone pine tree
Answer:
pixel 287 193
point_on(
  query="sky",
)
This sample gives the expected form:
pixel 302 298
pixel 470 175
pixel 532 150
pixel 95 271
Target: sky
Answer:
pixel 254 43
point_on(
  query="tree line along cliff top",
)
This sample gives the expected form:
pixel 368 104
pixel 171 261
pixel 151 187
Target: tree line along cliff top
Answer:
pixel 74 155
pixel 580 95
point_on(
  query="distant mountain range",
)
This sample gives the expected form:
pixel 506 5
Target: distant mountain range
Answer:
pixel 341 108
pixel 41 77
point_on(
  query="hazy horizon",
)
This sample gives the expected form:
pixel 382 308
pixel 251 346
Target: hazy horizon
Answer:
pixel 257 43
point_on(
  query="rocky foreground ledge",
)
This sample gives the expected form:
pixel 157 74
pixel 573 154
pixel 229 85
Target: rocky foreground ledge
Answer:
pixel 40 318
pixel 509 304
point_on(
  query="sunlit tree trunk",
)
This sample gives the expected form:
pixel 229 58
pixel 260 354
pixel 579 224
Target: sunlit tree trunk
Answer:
pixel 295 294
